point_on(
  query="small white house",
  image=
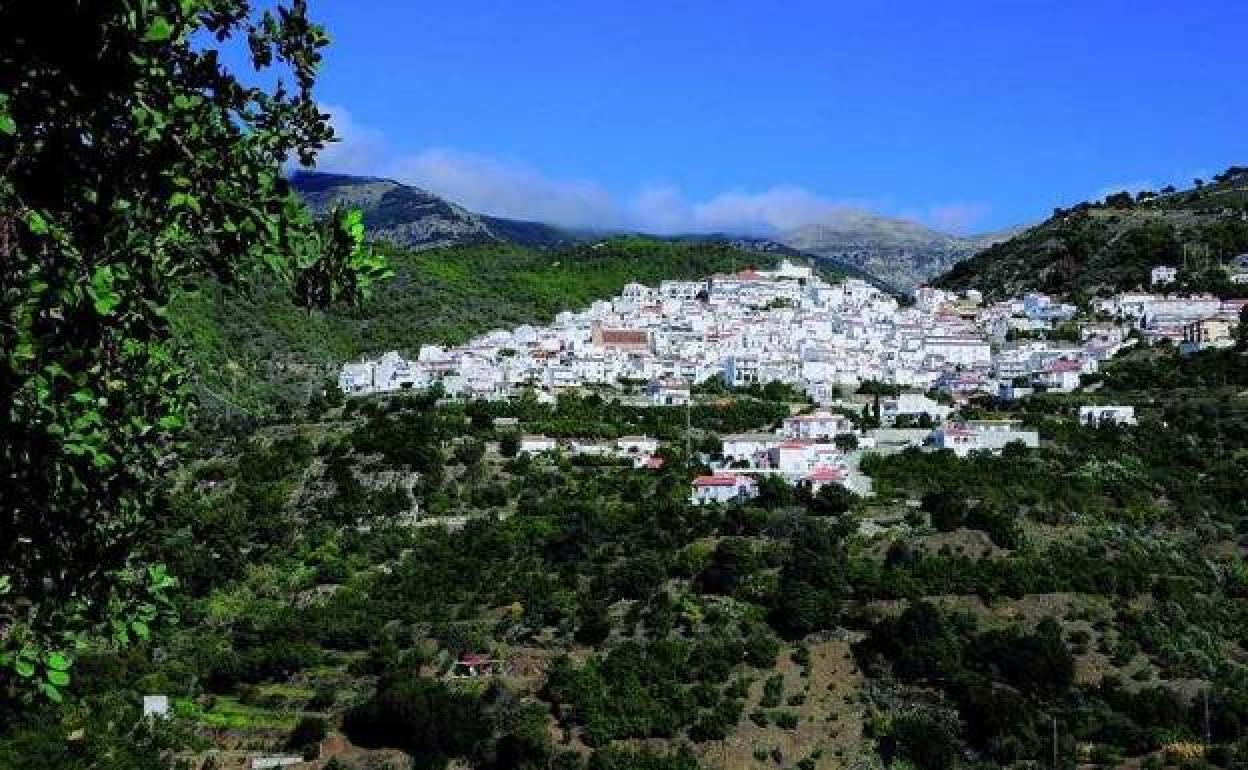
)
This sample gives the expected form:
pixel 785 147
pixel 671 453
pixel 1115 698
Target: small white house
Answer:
pixel 1107 415
pixel 1061 375
pixel 723 488
pixel 668 392
pixel 1163 274
pixel 818 425
pixel 824 475
pixel 792 457
pixel 745 446
pixel 637 445
pixel 535 444
pixel 960 439
pixel 914 405
pixel 155 705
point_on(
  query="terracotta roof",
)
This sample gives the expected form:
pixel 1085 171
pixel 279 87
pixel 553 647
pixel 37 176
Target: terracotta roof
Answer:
pixel 1065 365
pixel 824 473
pixel 624 337
pixel 720 480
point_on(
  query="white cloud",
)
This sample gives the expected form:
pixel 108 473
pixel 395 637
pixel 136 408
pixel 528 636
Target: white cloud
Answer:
pixel 358 149
pixel 778 208
pixel 514 189
pixel 506 188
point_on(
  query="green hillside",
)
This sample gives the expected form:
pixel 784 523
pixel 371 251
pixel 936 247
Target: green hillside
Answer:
pixel 1097 247
pixel 253 351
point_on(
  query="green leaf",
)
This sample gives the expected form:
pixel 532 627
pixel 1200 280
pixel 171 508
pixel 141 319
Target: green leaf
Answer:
pixel 141 629
pixel 24 668
pixel 36 223
pixel 52 693
pixel 58 678
pixel 58 662
pixel 7 126
pixel 106 300
pixel 6 584
pixel 158 31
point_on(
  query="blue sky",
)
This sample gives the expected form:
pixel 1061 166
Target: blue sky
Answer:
pixel 743 115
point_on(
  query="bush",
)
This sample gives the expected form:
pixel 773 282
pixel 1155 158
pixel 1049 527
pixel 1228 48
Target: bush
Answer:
pixel 421 716
pixel 307 733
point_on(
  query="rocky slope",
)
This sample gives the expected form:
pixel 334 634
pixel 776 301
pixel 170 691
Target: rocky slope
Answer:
pixel 902 253
pixel 416 219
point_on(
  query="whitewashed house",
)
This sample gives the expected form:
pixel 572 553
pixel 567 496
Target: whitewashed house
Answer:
pixel 821 424
pixel 824 475
pixel 960 439
pixel 1163 274
pixel 1107 415
pixel 537 444
pixel 723 488
pixel 913 405
pixel 637 445
pixel 669 392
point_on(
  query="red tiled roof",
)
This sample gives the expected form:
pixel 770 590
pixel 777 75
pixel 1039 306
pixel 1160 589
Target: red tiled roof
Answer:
pixel 720 480
pixel 624 337
pixel 824 473
pixel 1065 365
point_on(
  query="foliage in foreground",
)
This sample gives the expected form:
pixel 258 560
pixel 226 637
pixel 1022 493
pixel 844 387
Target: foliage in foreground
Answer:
pixel 131 160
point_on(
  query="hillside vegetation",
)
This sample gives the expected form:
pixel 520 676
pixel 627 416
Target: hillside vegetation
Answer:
pixel 1109 246
pixel 255 351
pixel 945 623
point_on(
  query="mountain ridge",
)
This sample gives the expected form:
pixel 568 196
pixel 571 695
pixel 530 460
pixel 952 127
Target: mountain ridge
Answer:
pixel 1112 245
pixel 896 254
pixel 901 252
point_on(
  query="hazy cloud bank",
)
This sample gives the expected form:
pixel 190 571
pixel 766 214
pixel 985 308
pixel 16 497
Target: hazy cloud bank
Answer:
pixel 514 189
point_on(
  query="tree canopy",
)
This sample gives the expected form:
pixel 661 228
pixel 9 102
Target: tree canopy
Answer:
pixel 131 158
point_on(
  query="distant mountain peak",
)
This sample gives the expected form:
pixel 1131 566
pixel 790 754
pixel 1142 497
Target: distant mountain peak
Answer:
pixel 415 218
pixel 902 252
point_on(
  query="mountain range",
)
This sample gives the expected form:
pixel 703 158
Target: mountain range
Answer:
pixel 896 253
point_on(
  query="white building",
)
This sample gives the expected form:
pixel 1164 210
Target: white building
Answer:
pixel 746 446
pixel 913 405
pixel 1107 415
pixel 723 488
pixel 669 392
pixel 821 424
pixel 824 475
pixel 536 444
pixel 961 440
pixel 637 445
pixel 1163 274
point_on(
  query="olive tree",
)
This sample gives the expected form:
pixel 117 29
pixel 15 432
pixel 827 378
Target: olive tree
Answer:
pixel 132 159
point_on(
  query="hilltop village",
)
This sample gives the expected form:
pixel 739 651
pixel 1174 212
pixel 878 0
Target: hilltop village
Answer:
pixel 881 374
